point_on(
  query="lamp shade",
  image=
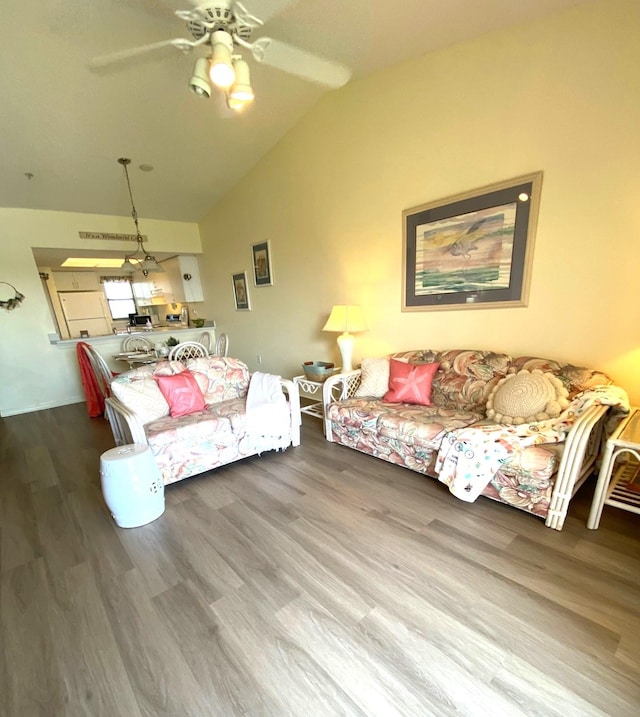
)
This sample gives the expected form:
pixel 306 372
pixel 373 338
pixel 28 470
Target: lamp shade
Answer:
pixel 345 318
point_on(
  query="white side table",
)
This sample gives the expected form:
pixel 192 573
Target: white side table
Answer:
pixel 311 388
pixel 611 488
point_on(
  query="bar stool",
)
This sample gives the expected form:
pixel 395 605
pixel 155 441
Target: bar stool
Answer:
pixel 132 485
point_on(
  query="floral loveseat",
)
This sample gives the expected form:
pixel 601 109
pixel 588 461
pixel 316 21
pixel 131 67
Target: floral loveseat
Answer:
pixel 203 439
pixel 532 462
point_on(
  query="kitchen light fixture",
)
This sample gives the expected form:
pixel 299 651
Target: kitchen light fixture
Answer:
pixel 149 263
pixel 345 318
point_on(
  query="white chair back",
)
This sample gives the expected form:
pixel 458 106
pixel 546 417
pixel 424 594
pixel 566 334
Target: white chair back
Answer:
pixel 205 340
pixel 136 343
pixel 187 350
pixel 222 345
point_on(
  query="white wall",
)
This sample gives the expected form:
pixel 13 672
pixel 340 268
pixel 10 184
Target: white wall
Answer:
pixel 37 375
pixel 559 95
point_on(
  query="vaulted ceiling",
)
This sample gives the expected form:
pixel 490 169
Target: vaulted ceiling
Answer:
pixel 63 126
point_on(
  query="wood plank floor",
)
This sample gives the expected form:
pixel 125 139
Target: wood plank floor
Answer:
pixel 315 582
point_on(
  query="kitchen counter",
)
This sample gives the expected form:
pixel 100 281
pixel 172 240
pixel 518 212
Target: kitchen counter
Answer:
pixel 162 332
pixel 110 345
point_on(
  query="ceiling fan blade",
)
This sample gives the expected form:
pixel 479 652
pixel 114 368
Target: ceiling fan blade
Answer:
pixel 98 63
pixel 265 9
pixel 301 63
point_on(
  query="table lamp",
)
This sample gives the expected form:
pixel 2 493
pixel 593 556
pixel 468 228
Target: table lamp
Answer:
pixel 345 319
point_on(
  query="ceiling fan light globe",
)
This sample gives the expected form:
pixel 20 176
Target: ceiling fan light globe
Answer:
pixel 241 89
pixel 198 84
pixel 221 69
pixel 236 105
pixel 242 93
pixel 222 74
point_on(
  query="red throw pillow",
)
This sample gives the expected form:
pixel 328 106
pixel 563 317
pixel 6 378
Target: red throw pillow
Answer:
pixel 182 393
pixel 409 383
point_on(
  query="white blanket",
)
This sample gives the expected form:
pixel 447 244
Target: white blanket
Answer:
pixel 469 458
pixel 268 416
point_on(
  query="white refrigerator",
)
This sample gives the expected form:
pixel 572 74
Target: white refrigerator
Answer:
pixel 86 311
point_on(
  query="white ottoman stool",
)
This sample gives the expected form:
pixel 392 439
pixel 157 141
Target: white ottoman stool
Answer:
pixel 132 485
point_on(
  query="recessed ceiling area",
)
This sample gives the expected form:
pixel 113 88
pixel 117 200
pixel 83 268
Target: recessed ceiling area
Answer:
pixel 66 125
pixel 54 259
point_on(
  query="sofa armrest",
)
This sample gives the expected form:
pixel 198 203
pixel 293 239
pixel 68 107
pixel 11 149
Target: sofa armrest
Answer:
pixel 581 450
pixel 125 426
pixel 337 388
pixel 293 393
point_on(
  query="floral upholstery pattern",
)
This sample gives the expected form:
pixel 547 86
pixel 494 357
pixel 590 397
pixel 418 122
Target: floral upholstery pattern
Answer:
pixel 412 436
pixel 465 377
pixel 200 441
pixel 574 378
pixel 186 445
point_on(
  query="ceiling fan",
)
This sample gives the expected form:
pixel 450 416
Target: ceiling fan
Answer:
pixel 224 28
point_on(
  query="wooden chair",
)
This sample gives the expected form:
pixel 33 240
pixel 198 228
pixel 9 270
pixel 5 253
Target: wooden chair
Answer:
pixel 187 350
pixel 222 345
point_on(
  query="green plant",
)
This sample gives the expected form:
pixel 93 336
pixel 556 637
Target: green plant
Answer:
pixel 172 342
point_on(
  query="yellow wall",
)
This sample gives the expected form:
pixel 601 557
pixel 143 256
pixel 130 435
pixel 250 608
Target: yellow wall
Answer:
pixel 559 95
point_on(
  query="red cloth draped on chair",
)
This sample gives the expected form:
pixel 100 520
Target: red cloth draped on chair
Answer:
pixel 90 382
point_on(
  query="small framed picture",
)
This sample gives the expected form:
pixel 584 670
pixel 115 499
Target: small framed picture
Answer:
pixel 261 257
pixel 241 291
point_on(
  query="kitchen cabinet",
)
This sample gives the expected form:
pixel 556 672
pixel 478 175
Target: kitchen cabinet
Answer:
pixel 176 288
pixel 148 293
pixel 76 281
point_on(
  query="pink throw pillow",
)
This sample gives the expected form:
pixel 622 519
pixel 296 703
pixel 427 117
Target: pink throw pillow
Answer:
pixel 410 383
pixel 182 393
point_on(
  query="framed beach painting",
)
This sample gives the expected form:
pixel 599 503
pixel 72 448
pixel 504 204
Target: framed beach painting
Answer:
pixel 241 291
pixel 473 250
pixel 261 258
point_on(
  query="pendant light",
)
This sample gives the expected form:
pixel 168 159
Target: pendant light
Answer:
pixel 148 264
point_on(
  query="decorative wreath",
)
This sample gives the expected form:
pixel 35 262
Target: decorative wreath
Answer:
pixel 14 301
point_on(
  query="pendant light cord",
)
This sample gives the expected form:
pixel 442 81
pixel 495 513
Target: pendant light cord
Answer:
pixel 134 214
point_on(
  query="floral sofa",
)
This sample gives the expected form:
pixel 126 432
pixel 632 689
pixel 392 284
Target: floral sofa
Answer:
pixel 465 436
pixel 213 433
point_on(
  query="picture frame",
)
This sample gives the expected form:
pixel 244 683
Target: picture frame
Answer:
pixel 261 262
pixel 473 250
pixel 241 291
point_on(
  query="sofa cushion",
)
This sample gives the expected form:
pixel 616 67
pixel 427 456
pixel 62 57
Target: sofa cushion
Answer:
pixel 359 413
pixel 410 383
pixel 139 392
pixel 526 397
pixel 421 425
pixel 227 377
pixel 374 378
pixel 181 392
